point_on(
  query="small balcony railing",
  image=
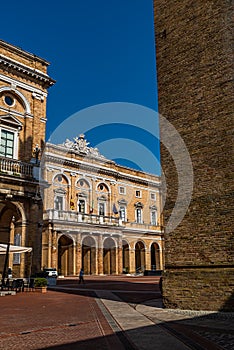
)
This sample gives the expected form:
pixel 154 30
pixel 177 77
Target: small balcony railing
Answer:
pixel 143 226
pixel 15 167
pixel 72 216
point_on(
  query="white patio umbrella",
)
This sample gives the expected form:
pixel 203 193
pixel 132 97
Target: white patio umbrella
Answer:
pixel 14 249
pixel 9 248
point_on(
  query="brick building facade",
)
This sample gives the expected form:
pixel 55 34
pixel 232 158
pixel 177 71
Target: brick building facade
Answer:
pixel 23 93
pixel 98 215
pixel 194 46
pixel 94 213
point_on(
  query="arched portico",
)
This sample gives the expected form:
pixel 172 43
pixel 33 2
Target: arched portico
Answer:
pixel 109 256
pixel 155 256
pixel 125 256
pixel 13 231
pixel 140 256
pixel 65 255
pixel 89 259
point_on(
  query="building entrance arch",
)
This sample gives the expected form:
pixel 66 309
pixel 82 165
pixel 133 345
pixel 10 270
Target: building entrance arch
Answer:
pixel 125 256
pixel 13 231
pixel 109 256
pixel 89 255
pixel 140 256
pixel 155 256
pixel 65 255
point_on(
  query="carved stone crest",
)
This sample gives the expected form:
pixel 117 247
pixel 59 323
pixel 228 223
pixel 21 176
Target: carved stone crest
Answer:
pixel 81 145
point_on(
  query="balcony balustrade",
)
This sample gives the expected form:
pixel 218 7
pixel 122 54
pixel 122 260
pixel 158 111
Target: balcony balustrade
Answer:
pixel 16 168
pixel 72 216
pixel 144 226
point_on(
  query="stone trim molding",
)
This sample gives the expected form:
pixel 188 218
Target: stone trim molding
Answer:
pixel 15 83
pixel 20 95
pixel 34 74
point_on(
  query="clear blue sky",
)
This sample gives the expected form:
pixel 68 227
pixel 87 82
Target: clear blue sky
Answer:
pixel 101 51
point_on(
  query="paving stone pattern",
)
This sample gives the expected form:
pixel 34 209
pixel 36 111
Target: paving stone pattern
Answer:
pixel 94 316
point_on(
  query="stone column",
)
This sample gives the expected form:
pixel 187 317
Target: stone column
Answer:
pixel 74 258
pixel 161 256
pixel 22 228
pixel 132 264
pixel 54 249
pixel 4 234
pixel 49 246
pixel 147 259
pixel 11 240
pixel 120 256
pixel 100 255
pixel 78 253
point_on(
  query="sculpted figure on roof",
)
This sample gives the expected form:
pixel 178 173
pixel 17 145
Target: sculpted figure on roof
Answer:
pixel 81 145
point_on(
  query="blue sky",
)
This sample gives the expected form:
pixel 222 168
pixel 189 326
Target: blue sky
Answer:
pixel 101 52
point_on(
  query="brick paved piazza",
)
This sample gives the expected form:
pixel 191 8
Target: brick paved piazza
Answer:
pixel 108 312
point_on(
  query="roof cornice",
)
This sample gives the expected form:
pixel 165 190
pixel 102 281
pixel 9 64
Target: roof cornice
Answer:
pixel 23 69
pixel 22 52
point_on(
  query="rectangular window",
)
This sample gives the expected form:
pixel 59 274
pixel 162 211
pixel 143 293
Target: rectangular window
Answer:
pixel 122 211
pixel 138 194
pixel 101 209
pixel 81 206
pixel 122 190
pixel 139 215
pixel 58 205
pixel 16 256
pixel 153 196
pixel 7 144
pixel 153 217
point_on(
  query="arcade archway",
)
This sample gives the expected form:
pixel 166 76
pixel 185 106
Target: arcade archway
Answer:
pixel 13 231
pixel 109 256
pixel 155 256
pixel 125 256
pixel 89 255
pixel 140 256
pixel 65 255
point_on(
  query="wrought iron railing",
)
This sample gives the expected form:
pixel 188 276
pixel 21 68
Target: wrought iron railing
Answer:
pixel 15 167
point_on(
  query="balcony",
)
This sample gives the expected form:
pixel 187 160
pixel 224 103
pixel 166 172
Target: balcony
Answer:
pixel 16 168
pixel 144 226
pixel 73 216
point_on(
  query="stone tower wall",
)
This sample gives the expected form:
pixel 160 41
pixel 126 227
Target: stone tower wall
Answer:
pixel 195 88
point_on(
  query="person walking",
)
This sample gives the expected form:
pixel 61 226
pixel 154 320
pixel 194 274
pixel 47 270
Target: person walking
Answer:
pixel 81 276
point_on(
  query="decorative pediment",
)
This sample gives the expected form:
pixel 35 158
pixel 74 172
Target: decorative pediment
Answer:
pixel 102 198
pixel 153 207
pixel 59 191
pixel 139 205
pixel 122 202
pixel 82 195
pixel 10 120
